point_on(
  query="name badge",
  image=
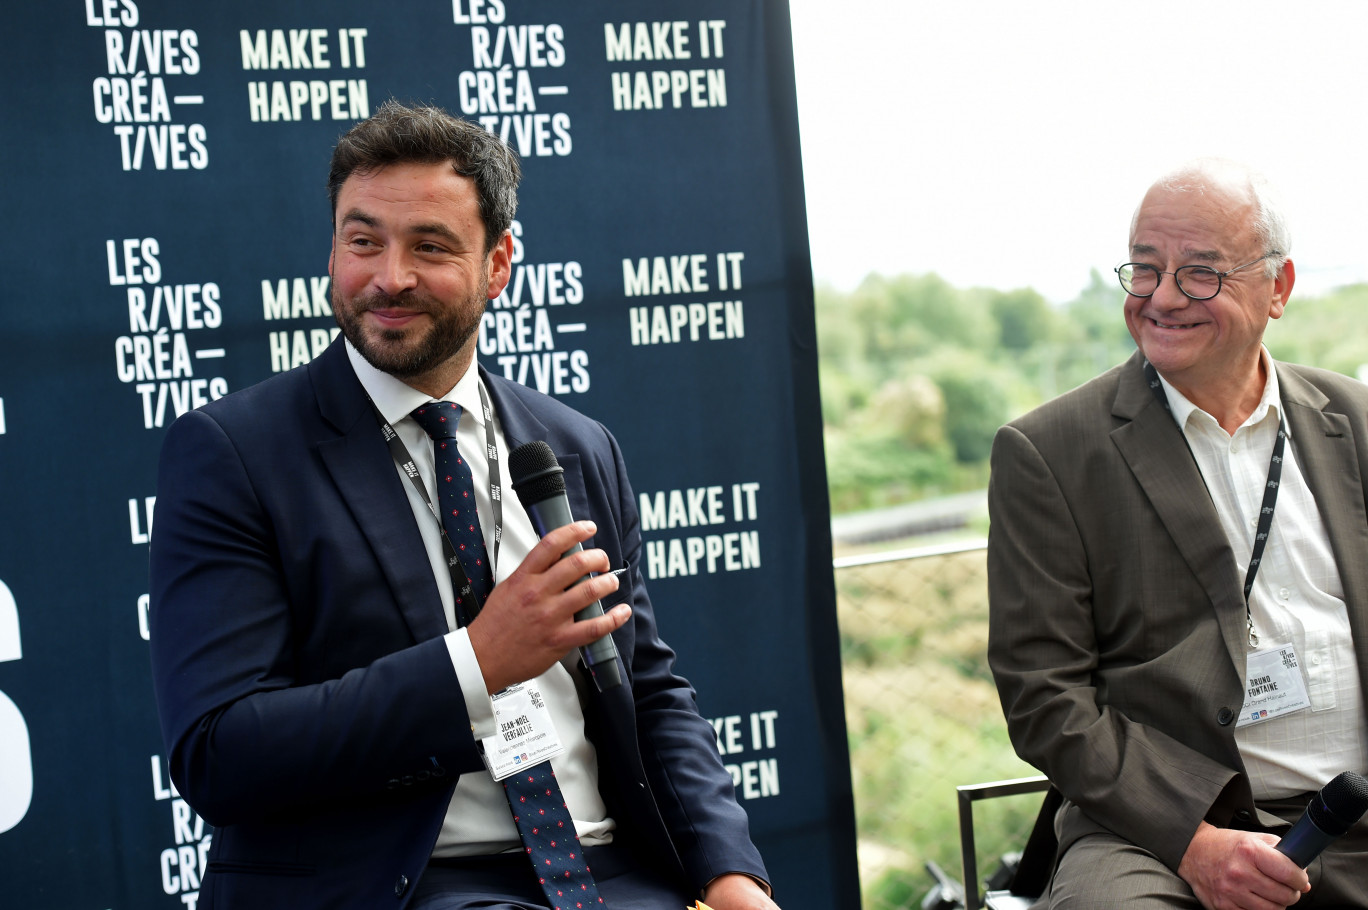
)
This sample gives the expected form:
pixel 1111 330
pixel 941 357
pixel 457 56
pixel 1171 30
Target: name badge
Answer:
pixel 1274 685
pixel 526 736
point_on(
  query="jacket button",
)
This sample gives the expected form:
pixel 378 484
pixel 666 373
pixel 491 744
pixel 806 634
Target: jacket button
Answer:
pixel 401 886
pixel 1243 816
pixel 1224 717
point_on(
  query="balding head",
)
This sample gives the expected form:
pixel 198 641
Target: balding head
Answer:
pixel 1235 184
pixel 1200 312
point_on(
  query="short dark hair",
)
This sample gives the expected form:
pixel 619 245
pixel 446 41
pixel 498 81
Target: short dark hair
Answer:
pixel 398 134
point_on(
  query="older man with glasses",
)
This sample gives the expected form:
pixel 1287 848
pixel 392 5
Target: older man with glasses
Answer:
pixel 1178 574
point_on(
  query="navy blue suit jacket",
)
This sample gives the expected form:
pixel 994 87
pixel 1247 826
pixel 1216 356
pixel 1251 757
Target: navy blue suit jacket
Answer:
pixel 309 706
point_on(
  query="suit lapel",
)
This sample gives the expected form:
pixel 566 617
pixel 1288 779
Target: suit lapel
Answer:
pixel 1157 453
pixel 360 465
pixel 521 425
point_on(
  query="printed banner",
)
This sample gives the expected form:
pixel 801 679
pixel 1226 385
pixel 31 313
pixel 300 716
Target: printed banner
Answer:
pixel 167 163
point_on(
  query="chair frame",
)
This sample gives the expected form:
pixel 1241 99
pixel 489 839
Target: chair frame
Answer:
pixel 970 794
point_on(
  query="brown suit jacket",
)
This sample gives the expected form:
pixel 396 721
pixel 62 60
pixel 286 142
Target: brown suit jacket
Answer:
pixel 1117 612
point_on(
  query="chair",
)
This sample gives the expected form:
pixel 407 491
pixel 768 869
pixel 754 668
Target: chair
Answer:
pixel 1036 865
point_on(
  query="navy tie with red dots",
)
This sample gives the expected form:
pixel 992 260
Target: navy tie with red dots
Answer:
pixel 544 823
pixel 456 496
pixel 548 836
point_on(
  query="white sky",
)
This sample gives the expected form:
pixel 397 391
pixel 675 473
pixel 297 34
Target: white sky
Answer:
pixel 1006 143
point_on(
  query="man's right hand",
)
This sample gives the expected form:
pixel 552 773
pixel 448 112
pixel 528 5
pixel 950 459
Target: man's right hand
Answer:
pixel 528 622
pixel 1230 869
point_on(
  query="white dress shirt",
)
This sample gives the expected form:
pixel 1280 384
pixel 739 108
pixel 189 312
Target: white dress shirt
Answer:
pixel 1297 597
pixel 479 820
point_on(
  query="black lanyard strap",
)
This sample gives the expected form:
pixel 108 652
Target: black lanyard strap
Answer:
pixel 1270 498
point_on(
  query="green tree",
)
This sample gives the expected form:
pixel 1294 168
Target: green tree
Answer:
pixel 1024 319
pixel 917 375
pixel 1096 311
pixel 976 400
pixel 1326 331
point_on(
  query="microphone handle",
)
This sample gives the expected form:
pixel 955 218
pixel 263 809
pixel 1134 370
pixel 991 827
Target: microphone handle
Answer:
pixel 1305 841
pixel 600 656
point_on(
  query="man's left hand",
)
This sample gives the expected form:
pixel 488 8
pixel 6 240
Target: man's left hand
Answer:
pixel 735 891
pixel 1239 870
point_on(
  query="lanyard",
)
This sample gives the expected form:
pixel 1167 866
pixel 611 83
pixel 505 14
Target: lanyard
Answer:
pixel 1270 498
pixel 467 607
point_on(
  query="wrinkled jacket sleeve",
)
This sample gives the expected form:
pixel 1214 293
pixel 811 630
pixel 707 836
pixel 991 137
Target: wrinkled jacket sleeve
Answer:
pixel 1081 672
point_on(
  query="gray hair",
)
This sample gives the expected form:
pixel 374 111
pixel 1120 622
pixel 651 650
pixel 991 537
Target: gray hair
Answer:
pixel 1270 221
pixel 397 134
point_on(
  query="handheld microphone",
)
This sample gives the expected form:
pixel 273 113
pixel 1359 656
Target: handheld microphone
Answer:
pixel 1335 809
pixel 539 482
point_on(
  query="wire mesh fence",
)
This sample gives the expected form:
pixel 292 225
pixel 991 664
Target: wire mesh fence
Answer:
pixel 923 717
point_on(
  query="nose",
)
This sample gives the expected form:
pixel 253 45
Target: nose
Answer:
pixel 1168 295
pixel 395 272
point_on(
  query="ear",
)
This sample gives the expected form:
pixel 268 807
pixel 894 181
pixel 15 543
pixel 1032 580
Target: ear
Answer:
pixel 1282 289
pixel 500 264
pixel 332 253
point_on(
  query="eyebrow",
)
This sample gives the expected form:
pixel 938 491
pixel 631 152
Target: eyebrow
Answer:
pixel 1144 249
pixel 435 228
pixel 358 215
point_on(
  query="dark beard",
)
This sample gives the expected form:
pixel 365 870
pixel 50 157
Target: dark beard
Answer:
pixel 400 352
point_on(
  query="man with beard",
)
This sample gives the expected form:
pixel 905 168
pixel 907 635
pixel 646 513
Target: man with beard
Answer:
pixel 334 663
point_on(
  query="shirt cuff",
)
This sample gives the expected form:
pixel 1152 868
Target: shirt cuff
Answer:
pixel 478 704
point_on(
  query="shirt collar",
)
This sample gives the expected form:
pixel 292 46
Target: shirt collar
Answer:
pixel 396 399
pixel 1270 402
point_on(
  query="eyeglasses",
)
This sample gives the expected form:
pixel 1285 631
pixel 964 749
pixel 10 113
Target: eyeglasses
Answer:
pixel 1198 282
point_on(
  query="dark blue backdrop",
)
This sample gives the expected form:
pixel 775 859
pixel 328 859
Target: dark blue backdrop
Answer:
pixel 164 166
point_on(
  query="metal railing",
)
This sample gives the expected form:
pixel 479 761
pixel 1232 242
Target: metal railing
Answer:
pixel 923 716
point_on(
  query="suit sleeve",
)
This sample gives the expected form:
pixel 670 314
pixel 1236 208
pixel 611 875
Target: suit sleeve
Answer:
pixel 1044 650
pixel 249 734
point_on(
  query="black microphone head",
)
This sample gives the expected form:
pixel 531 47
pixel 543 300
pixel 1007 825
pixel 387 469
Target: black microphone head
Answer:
pixel 1340 804
pixel 537 476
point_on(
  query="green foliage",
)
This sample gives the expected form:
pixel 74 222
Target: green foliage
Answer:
pixel 923 717
pixel 1095 313
pixel 976 400
pixel 876 469
pixel 896 888
pixel 917 375
pixel 1324 331
pixel 1024 319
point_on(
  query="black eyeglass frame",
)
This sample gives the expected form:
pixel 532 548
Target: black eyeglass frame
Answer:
pixel 1220 276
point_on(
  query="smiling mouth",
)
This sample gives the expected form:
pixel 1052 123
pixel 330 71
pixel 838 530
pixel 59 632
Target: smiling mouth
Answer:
pixel 1175 325
pixel 388 315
